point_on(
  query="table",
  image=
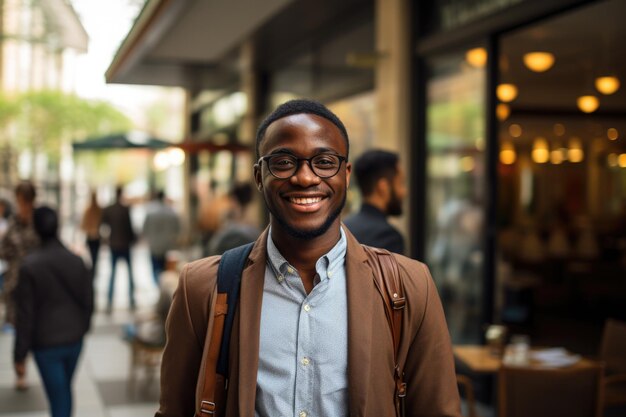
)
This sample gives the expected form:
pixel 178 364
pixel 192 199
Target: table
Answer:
pixel 478 359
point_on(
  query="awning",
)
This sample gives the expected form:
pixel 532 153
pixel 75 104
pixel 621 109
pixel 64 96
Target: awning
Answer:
pixel 129 140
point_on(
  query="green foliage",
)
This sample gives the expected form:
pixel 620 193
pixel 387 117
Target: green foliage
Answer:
pixel 44 119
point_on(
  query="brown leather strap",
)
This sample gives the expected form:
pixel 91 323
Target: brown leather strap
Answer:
pixel 207 400
pixel 389 284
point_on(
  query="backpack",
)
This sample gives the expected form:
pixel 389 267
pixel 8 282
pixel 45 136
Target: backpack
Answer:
pixel 386 279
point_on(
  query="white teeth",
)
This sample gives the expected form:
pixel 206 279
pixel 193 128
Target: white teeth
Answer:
pixel 305 200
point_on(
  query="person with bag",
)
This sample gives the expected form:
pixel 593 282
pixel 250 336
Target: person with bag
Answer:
pixel 54 305
pixel 321 325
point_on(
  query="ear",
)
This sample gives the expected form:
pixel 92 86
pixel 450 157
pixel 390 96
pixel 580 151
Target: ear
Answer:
pixel 383 188
pixel 348 173
pixel 258 177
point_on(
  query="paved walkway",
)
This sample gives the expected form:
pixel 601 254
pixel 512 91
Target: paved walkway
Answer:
pixel 100 384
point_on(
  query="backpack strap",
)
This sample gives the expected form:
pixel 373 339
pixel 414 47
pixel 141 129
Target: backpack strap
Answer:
pixel 228 283
pixel 389 284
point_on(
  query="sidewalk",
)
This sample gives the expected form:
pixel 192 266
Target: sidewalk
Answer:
pixel 100 383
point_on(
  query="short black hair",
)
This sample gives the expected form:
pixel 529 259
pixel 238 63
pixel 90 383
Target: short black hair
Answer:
pixel 26 190
pixel 300 106
pixel 242 193
pixel 45 222
pixel 373 165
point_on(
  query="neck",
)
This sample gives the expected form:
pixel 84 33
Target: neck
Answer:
pixel 303 254
pixel 377 202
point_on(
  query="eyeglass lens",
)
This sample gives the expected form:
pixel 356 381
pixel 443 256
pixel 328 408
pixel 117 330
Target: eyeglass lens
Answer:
pixel 323 165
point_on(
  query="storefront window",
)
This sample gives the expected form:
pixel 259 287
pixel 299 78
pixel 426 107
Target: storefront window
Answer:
pixel 562 175
pixel 455 140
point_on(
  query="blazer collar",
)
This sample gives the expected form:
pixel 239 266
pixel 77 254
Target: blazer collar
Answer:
pixel 361 293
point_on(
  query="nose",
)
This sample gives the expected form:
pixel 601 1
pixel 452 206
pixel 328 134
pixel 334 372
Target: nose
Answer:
pixel 304 175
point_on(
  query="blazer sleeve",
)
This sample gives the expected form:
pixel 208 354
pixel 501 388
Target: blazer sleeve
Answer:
pixel 185 328
pixel 24 326
pixel 429 367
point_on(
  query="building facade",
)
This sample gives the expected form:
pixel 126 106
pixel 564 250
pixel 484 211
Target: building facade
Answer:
pixel 508 114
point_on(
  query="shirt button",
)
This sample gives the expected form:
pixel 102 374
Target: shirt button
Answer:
pixel 307 307
pixel 330 274
pixel 305 361
pixel 281 278
pixel 302 414
pixel 290 270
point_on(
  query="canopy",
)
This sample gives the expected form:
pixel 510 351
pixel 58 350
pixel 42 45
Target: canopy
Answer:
pixel 129 140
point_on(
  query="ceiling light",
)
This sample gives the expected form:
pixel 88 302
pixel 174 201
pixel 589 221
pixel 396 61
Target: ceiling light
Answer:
pixel 575 152
pixel 507 153
pixel 476 57
pixel 539 61
pixel 621 160
pixel 559 129
pixel 506 92
pixel 503 111
pixel 607 85
pixel 588 104
pixel 540 153
pixel 612 133
pixel 515 130
pixel 612 160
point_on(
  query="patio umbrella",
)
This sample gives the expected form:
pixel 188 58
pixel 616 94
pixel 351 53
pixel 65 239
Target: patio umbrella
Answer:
pixel 128 140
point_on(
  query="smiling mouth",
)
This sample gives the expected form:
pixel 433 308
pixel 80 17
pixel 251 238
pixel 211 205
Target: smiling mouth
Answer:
pixel 304 201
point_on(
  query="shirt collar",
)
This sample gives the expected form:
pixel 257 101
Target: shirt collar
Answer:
pixel 325 264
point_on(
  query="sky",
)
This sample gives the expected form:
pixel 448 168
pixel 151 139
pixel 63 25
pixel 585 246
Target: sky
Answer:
pixel 107 23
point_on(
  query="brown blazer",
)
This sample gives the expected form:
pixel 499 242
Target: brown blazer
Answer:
pixel 425 348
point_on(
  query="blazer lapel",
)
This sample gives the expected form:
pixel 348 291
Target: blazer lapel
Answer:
pixel 361 291
pixel 250 302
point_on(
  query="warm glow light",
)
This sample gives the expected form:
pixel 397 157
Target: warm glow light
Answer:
pixel 507 153
pixel 575 152
pixel 506 92
pixel 621 160
pixel 556 156
pixel 588 104
pixel 515 130
pixel 539 61
pixel 612 160
pixel 161 161
pixel 176 156
pixel 503 111
pixel 540 153
pixel 476 57
pixel 612 133
pixel 607 85
pixel 467 163
pixel 559 129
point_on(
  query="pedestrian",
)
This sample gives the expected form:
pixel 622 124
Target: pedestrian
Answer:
pixel 19 239
pixel 161 229
pixel 5 212
pixel 310 336
pixel 121 238
pixel 90 225
pixel 382 183
pixel 235 231
pixel 54 306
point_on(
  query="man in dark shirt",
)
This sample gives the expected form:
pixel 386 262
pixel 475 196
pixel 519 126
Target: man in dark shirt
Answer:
pixel 381 180
pixel 121 238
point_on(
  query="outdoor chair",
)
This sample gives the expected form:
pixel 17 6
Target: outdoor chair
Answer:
pixel 470 398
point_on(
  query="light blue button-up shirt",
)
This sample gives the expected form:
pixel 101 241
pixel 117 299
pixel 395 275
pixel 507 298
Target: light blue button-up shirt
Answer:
pixel 303 352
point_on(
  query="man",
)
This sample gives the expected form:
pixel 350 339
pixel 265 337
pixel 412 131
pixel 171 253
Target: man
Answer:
pixel 310 336
pixel 19 240
pixel 160 229
pixel 55 302
pixel 381 180
pixel 121 237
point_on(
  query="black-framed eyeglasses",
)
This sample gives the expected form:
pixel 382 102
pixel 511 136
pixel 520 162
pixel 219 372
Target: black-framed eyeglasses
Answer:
pixel 284 165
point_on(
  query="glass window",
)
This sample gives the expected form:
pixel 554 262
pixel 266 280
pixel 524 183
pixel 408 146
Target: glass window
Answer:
pixel 455 164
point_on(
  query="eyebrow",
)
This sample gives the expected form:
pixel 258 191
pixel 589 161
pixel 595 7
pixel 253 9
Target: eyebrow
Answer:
pixel 317 151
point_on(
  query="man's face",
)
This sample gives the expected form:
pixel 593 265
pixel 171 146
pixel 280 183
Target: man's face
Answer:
pixel 305 205
pixel 397 193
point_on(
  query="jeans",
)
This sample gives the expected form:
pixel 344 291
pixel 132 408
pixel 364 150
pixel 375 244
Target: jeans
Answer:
pixel 94 247
pixel 158 266
pixel 56 366
pixel 124 254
